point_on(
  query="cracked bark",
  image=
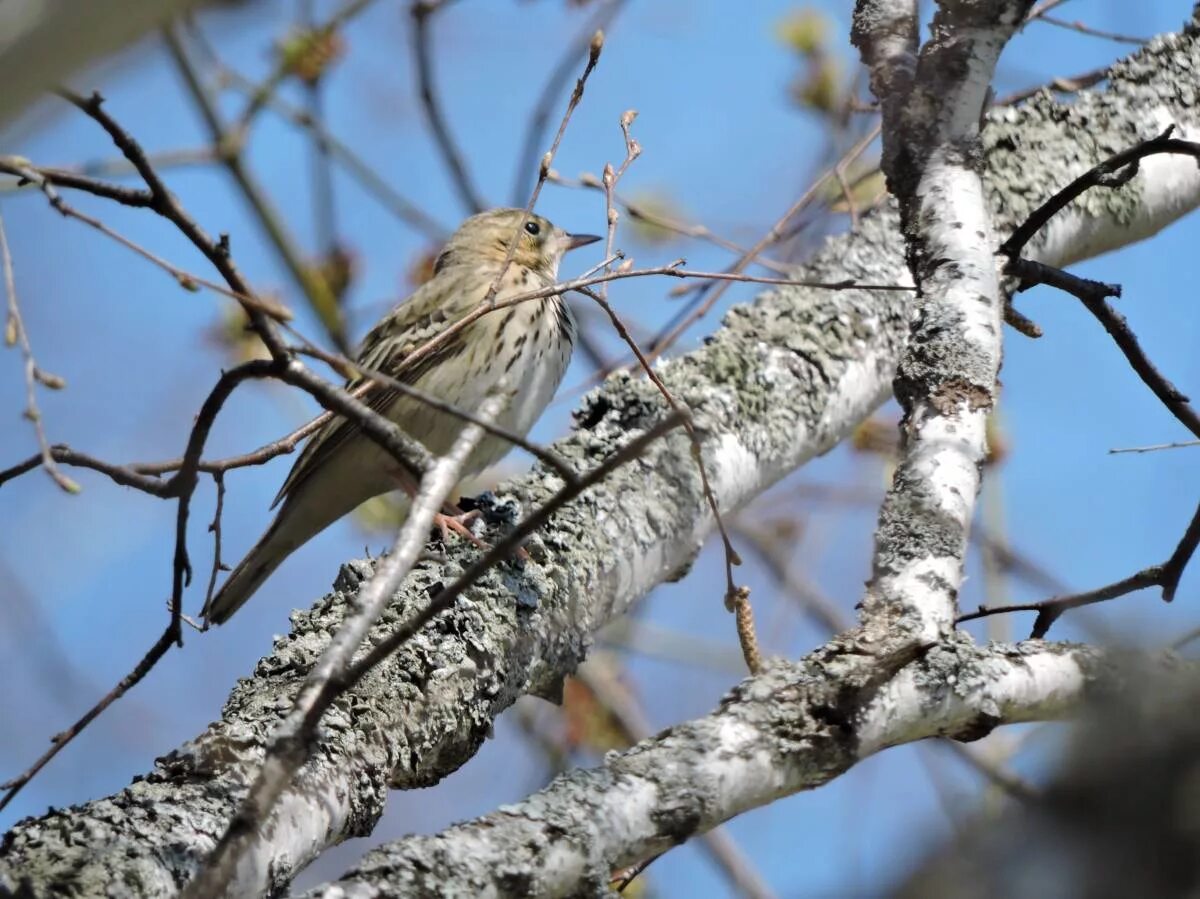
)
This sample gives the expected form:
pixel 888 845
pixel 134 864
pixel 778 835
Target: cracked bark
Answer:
pixel 782 380
pixel 792 728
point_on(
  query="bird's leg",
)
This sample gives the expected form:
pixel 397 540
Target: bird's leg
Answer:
pixel 451 518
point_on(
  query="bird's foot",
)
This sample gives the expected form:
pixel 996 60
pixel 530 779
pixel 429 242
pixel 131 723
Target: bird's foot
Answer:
pixel 459 523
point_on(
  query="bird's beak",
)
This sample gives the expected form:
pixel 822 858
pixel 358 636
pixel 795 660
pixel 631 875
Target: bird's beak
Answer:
pixel 575 241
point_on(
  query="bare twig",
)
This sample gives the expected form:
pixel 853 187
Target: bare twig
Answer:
pixel 622 879
pixel 324 203
pixel 60 740
pixel 700 305
pixel 44 179
pixel 166 205
pixel 1155 447
pixel 1165 575
pixel 1040 10
pixel 1092 294
pixel 291 742
pixel 14 332
pixel 119 167
pixel 422 13
pixel 1092 32
pixel 546 456
pixel 370 180
pixel 144 476
pixel 1068 85
pixel 535 129
pixel 215 529
pixel 594 49
pixel 311 281
pixel 126 196
pixel 266 89
pixel 1113 172
pixel 650 216
pixel 1000 776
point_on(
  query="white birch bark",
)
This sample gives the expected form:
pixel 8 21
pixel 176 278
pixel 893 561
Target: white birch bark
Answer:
pixel 782 380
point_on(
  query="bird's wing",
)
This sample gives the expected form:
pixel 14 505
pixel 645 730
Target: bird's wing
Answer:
pixel 409 326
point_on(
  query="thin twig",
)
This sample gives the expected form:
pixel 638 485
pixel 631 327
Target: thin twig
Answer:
pixel 1092 294
pixel 1066 85
pixel 144 476
pixel 166 205
pixel 1093 32
pixel 14 332
pixel 44 178
pixel 594 49
pixel 1001 777
pixel 1040 10
pixel 309 278
pixel 324 202
pixel 1113 172
pixel 60 740
pixel 543 454
pixel 215 529
pixel 1165 575
pixel 126 196
pixel 539 118
pixel 422 13
pixel 650 216
pixel 701 305
pixel 119 167
pixel 266 89
pixel 1155 447
pixel 371 181
pixel 622 879
pixel 290 745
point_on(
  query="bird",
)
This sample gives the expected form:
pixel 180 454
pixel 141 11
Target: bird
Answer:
pixel 527 346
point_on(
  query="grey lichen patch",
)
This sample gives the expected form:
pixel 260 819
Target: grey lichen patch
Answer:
pixel 1067 138
pixel 940 357
pixel 422 713
pixel 913 526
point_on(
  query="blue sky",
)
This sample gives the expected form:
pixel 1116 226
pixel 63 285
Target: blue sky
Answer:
pixel 86 576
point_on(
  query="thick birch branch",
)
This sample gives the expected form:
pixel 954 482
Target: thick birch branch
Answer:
pixel 946 379
pixel 783 380
pixel 792 728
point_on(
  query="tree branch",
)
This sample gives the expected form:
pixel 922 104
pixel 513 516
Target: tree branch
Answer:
pixel 789 729
pixel 783 380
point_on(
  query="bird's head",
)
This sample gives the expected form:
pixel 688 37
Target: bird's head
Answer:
pixel 487 236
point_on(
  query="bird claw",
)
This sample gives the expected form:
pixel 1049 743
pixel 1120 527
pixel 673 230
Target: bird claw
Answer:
pixel 459 524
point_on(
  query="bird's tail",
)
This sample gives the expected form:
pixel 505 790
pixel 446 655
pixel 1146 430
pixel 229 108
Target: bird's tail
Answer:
pixel 268 554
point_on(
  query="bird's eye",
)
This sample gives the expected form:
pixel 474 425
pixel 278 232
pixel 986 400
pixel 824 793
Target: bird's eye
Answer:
pixel 533 228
